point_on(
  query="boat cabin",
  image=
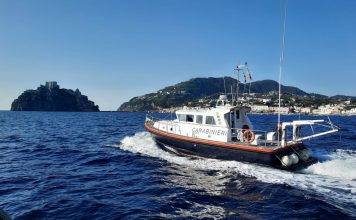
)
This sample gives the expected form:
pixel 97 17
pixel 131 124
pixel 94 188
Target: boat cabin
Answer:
pixel 221 123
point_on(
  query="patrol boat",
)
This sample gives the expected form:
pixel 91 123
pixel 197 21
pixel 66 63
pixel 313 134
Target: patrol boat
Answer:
pixel 225 132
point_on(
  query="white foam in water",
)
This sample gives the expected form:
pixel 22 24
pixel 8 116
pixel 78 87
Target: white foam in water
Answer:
pixel 342 165
pixel 334 179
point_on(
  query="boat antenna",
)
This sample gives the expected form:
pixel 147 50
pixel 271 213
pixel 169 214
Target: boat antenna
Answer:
pixel 281 61
pixel 249 78
pixel 237 84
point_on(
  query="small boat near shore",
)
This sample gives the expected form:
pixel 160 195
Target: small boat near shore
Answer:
pixel 225 132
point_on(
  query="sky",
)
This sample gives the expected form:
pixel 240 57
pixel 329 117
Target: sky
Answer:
pixel 115 50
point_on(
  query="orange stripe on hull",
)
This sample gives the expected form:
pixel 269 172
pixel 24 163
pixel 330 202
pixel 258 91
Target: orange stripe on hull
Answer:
pixel 250 148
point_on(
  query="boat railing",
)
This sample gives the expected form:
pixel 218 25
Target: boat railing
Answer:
pixel 254 137
pixel 248 136
pixel 165 124
pixel 278 137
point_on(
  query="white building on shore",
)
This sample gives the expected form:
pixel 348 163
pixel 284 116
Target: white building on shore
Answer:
pixel 259 108
pixel 266 109
pixel 283 110
pixel 303 110
pixel 350 112
pixel 327 110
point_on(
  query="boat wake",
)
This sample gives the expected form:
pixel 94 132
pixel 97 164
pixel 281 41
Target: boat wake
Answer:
pixel 334 179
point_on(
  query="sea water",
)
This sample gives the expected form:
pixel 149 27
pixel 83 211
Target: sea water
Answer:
pixel 105 166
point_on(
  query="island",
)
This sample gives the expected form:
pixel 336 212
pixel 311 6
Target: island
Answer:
pixel 261 96
pixel 50 97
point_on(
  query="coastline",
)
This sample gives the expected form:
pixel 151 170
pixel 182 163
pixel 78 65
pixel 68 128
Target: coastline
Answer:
pixel 165 111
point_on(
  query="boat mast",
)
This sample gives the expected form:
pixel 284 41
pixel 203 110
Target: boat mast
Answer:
pixel 245 72
pixel 281 60
pixel 237 85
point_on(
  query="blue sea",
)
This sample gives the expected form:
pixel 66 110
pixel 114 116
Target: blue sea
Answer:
pixel 65 165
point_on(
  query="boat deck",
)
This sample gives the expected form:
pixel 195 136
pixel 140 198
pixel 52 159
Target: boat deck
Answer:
pixel 268 144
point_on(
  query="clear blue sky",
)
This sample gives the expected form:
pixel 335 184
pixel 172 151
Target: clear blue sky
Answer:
pixel 114 50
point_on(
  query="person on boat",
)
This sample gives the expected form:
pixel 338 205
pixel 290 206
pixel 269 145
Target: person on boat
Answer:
pixel 247 135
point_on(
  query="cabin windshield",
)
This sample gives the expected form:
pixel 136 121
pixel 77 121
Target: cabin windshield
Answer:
pixel 181 117
pixel 199 119
pixel 185 117
pixel 190 118
pixel 209 120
